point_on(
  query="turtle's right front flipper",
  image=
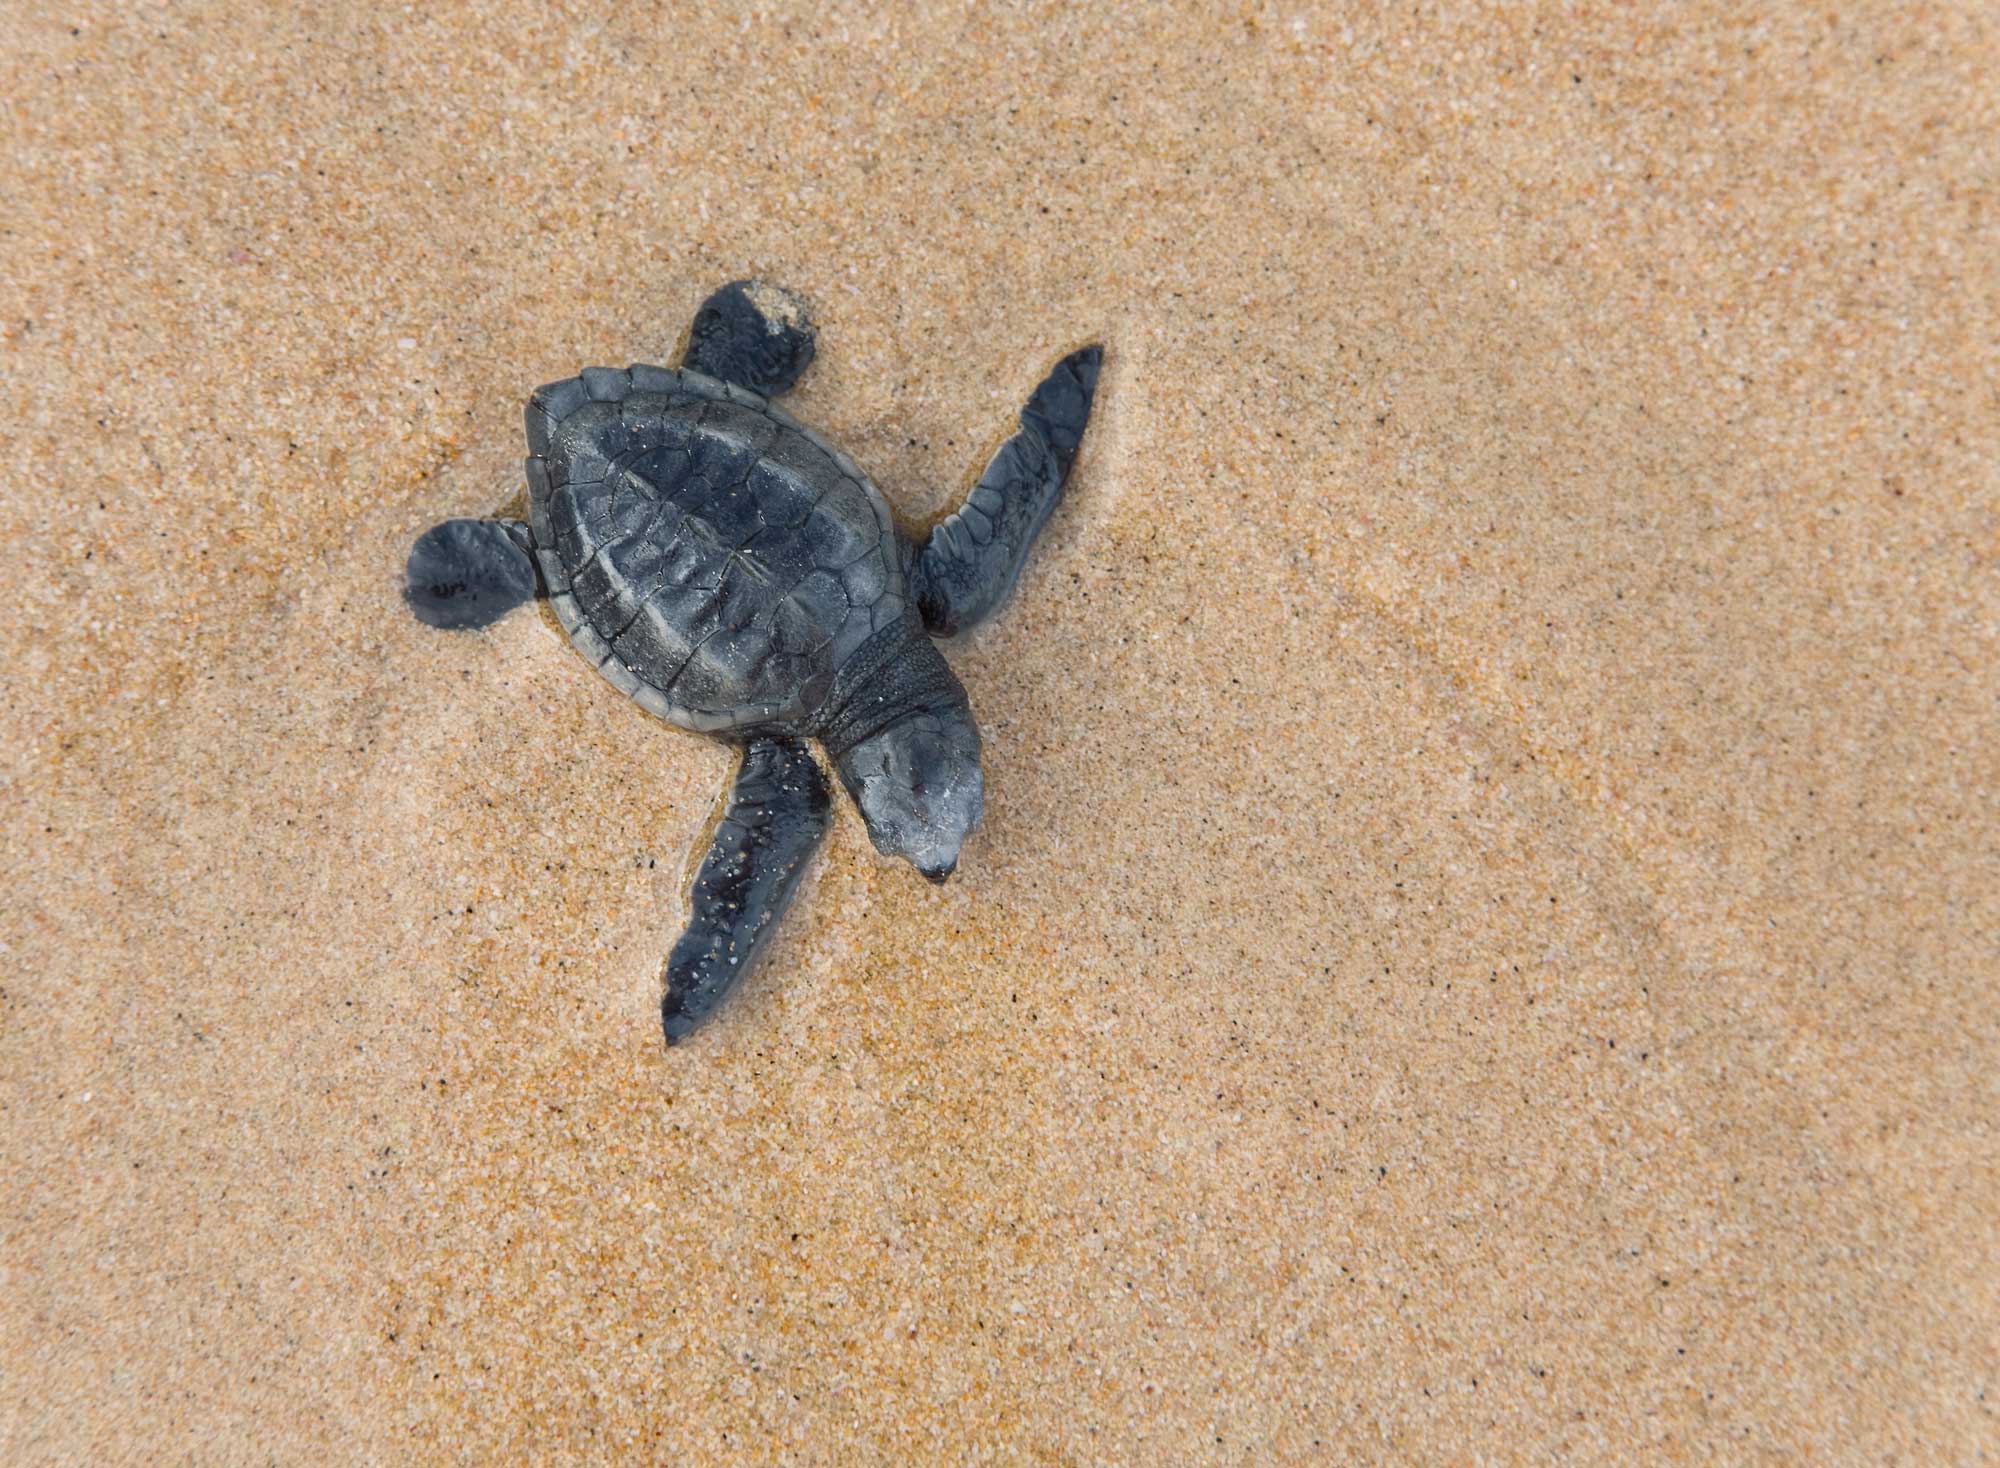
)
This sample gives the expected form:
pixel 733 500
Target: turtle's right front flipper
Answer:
pixel 467 573
pixel 776 817
pixel 973 557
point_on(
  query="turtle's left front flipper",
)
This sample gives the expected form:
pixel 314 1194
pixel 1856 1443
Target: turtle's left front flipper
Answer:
pixel 776 817
pixel 973 557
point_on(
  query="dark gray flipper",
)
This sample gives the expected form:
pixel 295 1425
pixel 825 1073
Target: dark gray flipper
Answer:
pixel 467 573
pixel 974 556
pixel 755 335
pixel 777 814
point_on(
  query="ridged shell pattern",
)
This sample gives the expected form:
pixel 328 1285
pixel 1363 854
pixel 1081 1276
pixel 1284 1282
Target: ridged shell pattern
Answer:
pixel 716 560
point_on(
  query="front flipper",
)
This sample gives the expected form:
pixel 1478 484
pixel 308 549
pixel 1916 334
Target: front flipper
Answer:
pixel 973 557
pixel 467 573
pixel 777 814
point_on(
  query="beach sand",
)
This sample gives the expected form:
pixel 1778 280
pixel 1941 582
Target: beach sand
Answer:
pixel 1483 945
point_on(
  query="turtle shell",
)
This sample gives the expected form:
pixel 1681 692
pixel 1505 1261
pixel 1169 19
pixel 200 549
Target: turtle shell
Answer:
pixel 717 561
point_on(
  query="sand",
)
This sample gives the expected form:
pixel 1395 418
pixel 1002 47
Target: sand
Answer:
pixel 1484 944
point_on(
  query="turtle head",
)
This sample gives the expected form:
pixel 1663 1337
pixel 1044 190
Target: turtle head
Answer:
pixel 918 785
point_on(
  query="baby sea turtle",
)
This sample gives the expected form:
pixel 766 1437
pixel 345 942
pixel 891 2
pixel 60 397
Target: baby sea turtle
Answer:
pixel 735 574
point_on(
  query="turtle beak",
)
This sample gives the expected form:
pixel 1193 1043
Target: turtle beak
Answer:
pixel 936 875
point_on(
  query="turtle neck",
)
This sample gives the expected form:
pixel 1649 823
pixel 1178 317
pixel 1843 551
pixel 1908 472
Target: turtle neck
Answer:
pixel 896 673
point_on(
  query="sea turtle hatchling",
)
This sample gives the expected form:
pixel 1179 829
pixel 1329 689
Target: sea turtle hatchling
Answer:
pixel 735 574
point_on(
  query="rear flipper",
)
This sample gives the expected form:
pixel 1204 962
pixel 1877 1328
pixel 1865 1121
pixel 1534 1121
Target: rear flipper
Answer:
pixel 776 817
pixel 467 573
pixel 972 558
pixel 754 334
